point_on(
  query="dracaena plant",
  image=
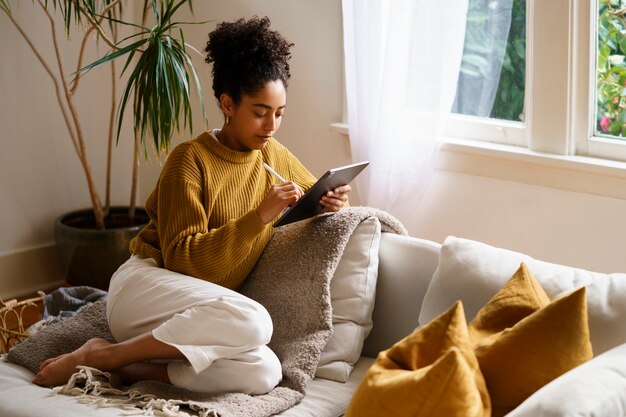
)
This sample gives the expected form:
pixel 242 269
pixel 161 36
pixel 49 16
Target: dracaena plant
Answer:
pixel 158 71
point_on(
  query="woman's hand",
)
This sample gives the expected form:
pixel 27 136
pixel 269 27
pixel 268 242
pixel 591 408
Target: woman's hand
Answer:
pixel 334 200
pixel 278 198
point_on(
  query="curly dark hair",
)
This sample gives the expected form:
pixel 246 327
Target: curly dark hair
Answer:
pixel 246 55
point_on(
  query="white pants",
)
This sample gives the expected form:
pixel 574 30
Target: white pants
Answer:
pixel 221 333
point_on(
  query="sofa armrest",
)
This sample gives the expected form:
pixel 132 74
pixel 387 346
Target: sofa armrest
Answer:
pixel 406 266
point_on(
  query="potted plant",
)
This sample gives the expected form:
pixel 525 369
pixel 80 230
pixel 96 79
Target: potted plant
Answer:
pixel 159 76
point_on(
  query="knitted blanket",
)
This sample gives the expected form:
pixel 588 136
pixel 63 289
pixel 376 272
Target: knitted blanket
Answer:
pixel 292 280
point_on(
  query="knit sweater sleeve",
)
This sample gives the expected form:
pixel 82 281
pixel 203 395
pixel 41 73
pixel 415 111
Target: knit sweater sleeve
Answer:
pixel 188 245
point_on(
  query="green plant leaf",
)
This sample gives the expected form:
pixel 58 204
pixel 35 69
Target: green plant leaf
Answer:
pixel 618 71
pixel 112 55
pixel 155 9
pixel 198 85
pixel 112 19
pixel 176 24
pixel 171 9
pixel 622 44
pixel 160 85
pixel 614 128
pixel 129 60
pixel 70 11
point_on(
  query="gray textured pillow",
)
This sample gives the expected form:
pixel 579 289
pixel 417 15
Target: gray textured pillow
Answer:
pixel 62 337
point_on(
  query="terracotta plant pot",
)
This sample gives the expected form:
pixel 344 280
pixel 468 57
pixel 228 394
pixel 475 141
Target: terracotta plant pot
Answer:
pixel 90 256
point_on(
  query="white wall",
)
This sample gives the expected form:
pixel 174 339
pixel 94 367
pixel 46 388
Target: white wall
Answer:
pixel 40 177
pixel 582 230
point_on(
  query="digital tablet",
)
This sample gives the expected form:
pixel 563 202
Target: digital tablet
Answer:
pixel 309 204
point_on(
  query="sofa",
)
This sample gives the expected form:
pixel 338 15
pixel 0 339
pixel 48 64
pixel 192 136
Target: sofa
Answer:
pixel 415 281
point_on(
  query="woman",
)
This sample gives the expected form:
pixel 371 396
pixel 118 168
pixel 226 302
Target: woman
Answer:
pixel 211 216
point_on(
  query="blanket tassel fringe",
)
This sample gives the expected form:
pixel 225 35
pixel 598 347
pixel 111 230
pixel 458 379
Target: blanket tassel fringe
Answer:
pixel 91 385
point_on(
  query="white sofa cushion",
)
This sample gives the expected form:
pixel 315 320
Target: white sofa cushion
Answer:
pixel 20 397
pixel 473 272
pixel 352 292
pixel 594 389
pixel 326 398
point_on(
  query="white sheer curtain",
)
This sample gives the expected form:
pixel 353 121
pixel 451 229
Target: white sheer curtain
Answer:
pixel 402 60
pixel 487 31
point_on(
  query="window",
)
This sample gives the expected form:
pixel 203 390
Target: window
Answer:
pixel 489 103
pixel 493 67
pixel 610 99
pixel 573 77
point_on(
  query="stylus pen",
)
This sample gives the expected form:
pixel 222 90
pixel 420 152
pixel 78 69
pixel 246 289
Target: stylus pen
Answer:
pixel 274 173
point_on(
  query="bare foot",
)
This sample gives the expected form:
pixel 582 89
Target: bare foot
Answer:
pixel 58 371
pixel 49 361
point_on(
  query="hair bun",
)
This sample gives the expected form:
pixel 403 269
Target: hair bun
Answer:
pixel 246 55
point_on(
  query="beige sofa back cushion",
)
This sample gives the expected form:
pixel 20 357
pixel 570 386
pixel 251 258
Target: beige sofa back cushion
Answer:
pixel 406 266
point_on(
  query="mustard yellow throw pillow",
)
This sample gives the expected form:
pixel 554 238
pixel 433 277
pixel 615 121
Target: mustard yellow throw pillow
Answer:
pixel 517 343
pixel 522 341
pixel 521 296
pixel 432 372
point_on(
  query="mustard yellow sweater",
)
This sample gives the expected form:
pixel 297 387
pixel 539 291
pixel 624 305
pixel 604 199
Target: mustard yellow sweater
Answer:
pixel 203 221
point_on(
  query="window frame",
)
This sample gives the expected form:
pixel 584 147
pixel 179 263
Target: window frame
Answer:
pixel 601 147
pixel 559 103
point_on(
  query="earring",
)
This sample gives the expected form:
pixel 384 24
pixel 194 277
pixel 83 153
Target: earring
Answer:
pixel 227 120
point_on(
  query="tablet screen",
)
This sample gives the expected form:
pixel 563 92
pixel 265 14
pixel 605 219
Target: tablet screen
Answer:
pixel 309 205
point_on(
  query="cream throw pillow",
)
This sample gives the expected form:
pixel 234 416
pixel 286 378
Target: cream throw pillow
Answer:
pixel 352 291
pixel 594 389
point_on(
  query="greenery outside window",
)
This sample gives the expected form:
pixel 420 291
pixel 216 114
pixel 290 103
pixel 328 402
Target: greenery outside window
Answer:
pixel 610 114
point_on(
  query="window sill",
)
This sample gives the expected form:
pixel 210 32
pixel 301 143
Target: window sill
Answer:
pixel 582 174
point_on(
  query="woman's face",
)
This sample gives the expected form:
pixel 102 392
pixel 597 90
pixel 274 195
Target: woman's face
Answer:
pixel 256 118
